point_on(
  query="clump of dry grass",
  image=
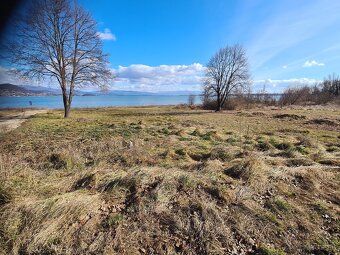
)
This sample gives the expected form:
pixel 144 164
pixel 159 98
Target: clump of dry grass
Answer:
pixel 295 162
pixel 250 170
pixel 60 218
pixel 221 153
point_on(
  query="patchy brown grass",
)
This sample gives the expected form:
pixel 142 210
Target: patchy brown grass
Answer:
pixel 166 180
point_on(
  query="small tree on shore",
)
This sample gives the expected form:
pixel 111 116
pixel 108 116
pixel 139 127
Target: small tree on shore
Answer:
pixel 191 100
pixel 58 39
pixel 227 71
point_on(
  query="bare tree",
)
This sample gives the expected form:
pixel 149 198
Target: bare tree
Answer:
pixel 58 39
pixel 331 85
pixel 226 72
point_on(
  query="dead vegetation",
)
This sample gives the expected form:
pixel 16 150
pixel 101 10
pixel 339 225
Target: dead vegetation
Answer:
pixel 170 181
pixel 289 116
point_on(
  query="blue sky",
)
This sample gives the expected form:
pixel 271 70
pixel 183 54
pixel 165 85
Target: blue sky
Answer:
pixel 164 44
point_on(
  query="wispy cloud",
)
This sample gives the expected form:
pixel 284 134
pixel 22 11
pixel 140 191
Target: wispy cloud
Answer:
pixel 287 29
pixel 310 63
pixel 107 35
pixel 335 47
pixel 284 67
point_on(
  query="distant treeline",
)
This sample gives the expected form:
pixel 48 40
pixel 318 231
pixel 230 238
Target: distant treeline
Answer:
pixel 320 93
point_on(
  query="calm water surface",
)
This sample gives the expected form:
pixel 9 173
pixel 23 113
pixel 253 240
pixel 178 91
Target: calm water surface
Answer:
pixel 91 101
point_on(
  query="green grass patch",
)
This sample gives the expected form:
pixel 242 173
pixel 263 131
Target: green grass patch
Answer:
pixel 113 220
pixel 270 251
pixel 278 205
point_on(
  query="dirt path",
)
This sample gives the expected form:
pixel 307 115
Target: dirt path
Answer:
pixel 13 121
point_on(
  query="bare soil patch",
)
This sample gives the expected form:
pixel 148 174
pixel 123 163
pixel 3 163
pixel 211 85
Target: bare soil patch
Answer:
pixel 13 121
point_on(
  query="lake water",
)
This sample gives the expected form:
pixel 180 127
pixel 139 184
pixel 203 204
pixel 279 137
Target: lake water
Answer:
pixel 92 101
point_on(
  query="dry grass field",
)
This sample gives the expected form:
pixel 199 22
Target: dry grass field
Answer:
pixel 171 180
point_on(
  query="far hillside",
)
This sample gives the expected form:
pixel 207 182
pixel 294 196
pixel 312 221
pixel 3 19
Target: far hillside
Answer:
pixel 7 89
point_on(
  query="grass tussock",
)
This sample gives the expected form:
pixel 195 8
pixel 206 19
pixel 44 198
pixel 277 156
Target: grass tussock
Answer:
pixel 167 180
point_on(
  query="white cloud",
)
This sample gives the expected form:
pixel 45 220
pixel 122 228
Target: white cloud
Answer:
pixel 159 78
pixel 140 77
pixel 277 86
pixel 107 35
pixel 186 77
pixel 310 63
pixel 10 75
pixel 284 67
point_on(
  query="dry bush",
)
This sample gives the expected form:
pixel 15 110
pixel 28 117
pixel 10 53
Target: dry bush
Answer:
pixel 209 104
pixel 231 104
pixel 241 101
pixel 328 90
pixel 294 96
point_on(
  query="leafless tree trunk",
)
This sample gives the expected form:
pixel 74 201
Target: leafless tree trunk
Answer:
pixel 58 39
pixel 226 72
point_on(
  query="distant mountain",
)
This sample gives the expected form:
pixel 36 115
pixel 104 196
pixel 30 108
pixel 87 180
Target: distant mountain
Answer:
pixel 8 89
pixel 11 87
pixel 49 90
pixel 27 90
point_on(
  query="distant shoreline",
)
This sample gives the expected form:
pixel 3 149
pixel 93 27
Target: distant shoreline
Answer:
pixel 100 101
pixel 156 95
